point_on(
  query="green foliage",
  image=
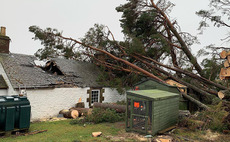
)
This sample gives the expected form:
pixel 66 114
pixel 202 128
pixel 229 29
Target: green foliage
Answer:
pixel 123 102
pixel 99 116
pixel 205 120
pixel 212 63
pixel 218 14
pixel 119 80
pixel 54 45
pixel 96 36
pixel 214 118
pixel 141 30
pixel 108 115
pixel 211 68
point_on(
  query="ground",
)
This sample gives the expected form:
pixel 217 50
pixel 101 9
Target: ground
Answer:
pixel 64 131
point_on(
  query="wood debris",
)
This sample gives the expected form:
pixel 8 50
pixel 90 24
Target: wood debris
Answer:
pixel 225 72
pixel 96 134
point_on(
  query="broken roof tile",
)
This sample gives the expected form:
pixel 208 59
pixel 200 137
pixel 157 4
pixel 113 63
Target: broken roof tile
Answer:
pixel 22 72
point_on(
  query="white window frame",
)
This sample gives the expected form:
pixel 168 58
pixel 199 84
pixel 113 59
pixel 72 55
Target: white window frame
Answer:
pixel 98 90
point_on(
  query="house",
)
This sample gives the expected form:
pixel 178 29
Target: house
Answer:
pixel 51 88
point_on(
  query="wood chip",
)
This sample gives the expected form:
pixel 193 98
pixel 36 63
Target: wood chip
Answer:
pixel 96 134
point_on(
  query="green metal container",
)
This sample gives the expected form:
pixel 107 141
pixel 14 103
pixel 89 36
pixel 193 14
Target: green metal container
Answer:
pixel 14 113
pixel 150 111
pixel 152 84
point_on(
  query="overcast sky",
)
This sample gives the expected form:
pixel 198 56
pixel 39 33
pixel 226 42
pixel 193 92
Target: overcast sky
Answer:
pixel 75 17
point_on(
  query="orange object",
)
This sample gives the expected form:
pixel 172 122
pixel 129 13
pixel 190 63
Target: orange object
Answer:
pixel 136 88
pixel 136 104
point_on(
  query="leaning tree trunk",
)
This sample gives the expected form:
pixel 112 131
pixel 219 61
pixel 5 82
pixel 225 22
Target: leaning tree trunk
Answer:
pixel 118 108
pixel 198 103
pixel 190 74
pixel 208 97
pixel 180 40
pixel 117 59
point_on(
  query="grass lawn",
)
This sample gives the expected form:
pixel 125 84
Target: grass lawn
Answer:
pixel 65 132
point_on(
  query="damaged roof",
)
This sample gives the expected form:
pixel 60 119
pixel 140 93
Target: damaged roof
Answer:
pixel 23 73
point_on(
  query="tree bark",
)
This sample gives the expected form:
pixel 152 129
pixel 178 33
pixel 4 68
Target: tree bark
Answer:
pixel 80 105
pixel 224 73
pixel 83 111
pixel 117 59
pixel 224 54
pixel 69 113
pixel 190 74
pixel 224 94
pixel 172 52
pixel 226 64
pixel 198 103
pixel 180 40
pixel 208 97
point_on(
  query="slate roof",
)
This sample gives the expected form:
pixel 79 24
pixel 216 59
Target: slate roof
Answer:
pixel 22 72
pixel 3 84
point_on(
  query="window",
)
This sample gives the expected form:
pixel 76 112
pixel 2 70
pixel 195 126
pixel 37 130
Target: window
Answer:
pixel 95 96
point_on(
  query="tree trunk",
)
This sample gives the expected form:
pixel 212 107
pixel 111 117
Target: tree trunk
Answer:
pixel 208 97
pixel 224 73
pixel 184 47
pixel 83 111
pixel 80 105
pixel 190 74
pixel 69 113
pixel 224 54
pixel 117 59
pixel 224 94
pixel 226 64
pixel 118 108
pixel 172 51
pixel 198 103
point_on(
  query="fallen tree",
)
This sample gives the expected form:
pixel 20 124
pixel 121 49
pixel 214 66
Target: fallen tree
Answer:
pixel 118 108
pixel 150 38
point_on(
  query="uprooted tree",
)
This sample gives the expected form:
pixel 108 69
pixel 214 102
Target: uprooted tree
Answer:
pixel 153 47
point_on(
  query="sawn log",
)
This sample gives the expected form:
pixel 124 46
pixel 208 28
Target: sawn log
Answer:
pixel 69 113
pixel 224 94
pixel 83 111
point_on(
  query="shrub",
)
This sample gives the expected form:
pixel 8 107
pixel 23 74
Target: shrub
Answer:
pixel 123 102
pixel 108 115
pixel 100 115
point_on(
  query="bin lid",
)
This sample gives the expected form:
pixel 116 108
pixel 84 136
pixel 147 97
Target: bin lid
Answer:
pixel 153 94
pixel 13 100
pixel 9 98
pixel 2 100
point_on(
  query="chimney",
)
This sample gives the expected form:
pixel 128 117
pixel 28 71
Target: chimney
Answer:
pixel 4 41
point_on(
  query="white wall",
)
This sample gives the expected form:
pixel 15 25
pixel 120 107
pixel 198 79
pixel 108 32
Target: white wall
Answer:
pixel 46 103
pixel 10 90
pixel 111 95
